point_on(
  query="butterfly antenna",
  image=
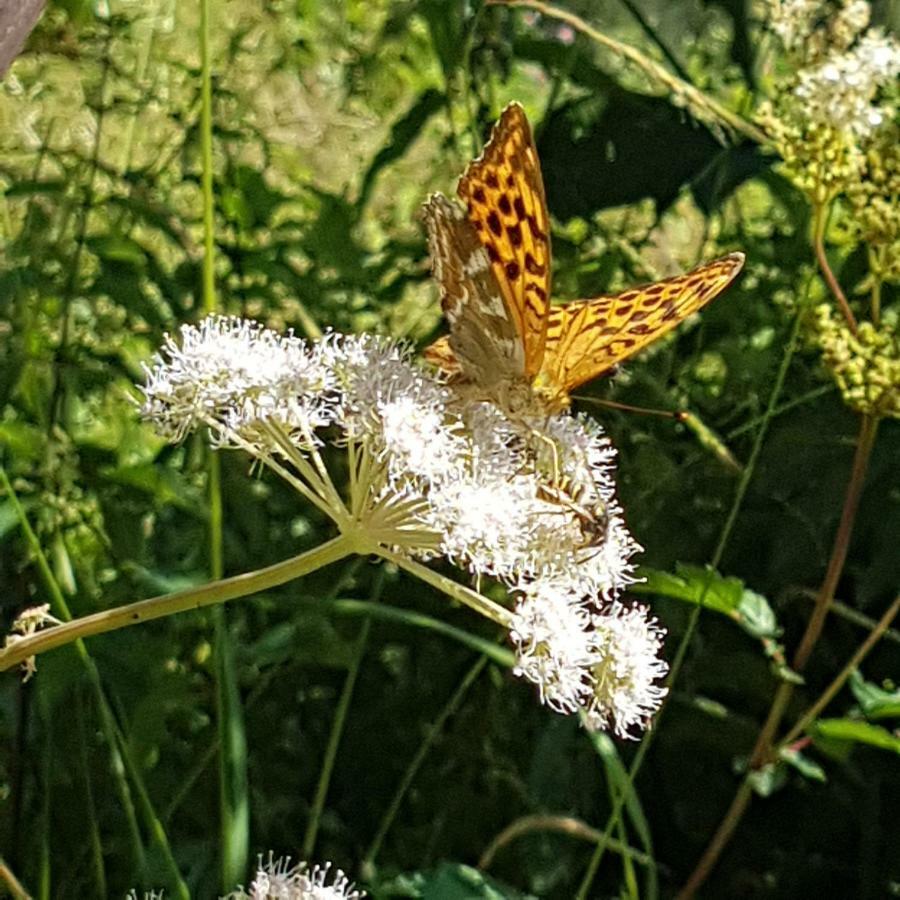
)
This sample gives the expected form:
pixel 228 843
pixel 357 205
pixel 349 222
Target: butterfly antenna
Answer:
pixel 706 437
pixel 626 407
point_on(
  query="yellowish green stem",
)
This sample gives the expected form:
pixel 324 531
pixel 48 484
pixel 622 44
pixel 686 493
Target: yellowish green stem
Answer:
pixel 493 611
pixel 181 601
pixel 701 105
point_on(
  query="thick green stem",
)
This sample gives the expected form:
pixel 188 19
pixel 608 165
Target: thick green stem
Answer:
pixel 168 604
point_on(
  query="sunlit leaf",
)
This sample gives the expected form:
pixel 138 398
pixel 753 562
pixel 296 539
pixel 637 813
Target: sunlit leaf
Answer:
pixel 874 701
pixel 854 731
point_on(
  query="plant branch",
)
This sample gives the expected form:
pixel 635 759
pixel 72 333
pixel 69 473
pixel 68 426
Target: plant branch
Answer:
pixel 762 748
pixel 481 604
pixel 819 222
pixel 866 440
pixel 855 661
pixel 568 825
pixel 168 604
pixel 703 107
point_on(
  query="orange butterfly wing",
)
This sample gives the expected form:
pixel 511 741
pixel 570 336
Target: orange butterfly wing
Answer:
pixel 586 338
pixel 504 196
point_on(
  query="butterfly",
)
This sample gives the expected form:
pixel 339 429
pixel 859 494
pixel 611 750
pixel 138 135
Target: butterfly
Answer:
pixel 492 262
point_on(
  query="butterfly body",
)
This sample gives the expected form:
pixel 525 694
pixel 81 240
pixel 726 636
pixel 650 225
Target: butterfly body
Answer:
pixel 507 344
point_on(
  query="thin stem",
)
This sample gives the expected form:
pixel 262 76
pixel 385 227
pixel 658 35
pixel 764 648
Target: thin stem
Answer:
pixel 206 151
pixel 700 104
pixel 720 840
pixel 876 267
pixel 181 601
pixel 868 429
pixel 820 218
pixel 606 839
pixel 337 727
pixel 762 748
pixel 460 592
pixel 413 768
pixel 855 661
pixel 300 486
pixel 684 643
pixel 11 883
pixel 560 825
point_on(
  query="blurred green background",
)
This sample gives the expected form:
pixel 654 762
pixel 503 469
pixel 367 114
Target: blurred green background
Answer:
pixel 332 122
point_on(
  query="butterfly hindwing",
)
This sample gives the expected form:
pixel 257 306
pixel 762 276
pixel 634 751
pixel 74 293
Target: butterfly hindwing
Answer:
pixel 484 343
pixel 586 338
pixel 504 195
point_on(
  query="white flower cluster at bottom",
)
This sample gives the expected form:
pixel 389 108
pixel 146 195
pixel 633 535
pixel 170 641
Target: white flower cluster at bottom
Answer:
pixel 279 880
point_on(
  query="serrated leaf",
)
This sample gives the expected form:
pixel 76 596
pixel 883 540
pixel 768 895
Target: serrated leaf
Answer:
pixel 854 731
pixel 694 584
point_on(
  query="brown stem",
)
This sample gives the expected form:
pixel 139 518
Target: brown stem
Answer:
pixel 868 428
pixel 562 825
pixel 854 663
pixel 762 748
pixel 719 842
pixel 822 258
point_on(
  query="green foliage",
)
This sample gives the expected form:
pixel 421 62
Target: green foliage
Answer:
pixel 332 124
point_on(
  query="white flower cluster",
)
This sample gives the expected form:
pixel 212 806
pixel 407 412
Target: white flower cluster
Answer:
pixel 841 90
pixel 791 20
pixel 279 880
pixel 435 472
pixel 841 67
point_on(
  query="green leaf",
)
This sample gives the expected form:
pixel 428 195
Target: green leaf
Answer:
pixel 117 248
pixel 854 731
pixel 875 702
pixel 803 764
pixel 725 594
pixel 22 440
pixel 767 780
pixel 453 881
pixel 403 133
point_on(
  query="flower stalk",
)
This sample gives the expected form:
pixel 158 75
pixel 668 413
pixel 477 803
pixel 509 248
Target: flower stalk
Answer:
pixel 192 598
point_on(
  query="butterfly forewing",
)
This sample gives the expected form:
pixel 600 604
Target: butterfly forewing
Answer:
pixel 484 342
pixel 586 338
pixel 504 194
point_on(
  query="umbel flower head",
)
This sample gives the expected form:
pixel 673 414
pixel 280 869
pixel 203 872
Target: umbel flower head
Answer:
pixel 279 880
pixel 431 472
pixel 865 365
pixel 838 92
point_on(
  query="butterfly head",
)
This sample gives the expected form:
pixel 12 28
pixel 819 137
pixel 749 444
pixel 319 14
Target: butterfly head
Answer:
pixel 551 396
